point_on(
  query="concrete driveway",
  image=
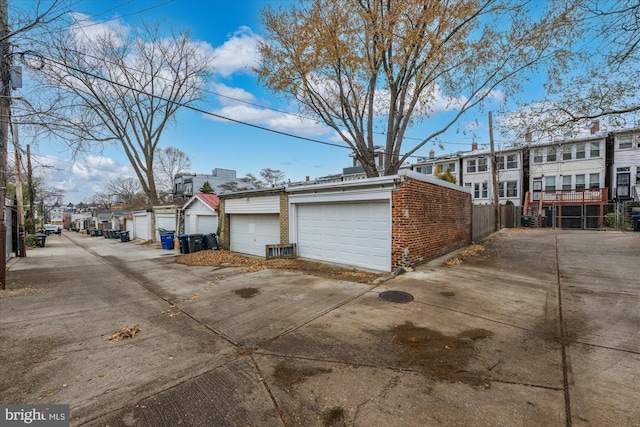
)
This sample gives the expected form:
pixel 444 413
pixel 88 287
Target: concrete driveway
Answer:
pixel 540 328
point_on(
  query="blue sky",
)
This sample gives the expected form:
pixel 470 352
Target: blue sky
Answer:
pixel 231 28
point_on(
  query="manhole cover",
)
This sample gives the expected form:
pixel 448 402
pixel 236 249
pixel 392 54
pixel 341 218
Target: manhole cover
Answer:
pixel 396 296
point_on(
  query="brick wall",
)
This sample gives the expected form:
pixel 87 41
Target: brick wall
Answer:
pixel 428 220
pixel 284 218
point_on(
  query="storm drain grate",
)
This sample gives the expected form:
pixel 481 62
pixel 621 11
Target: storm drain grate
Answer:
pixel 396 296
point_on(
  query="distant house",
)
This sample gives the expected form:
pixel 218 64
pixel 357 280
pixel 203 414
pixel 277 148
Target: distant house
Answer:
pixel 185 185
pixel 625 161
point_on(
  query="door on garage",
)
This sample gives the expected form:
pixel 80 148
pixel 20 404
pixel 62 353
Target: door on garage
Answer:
pixel 249 233
pixel 206 224
pixel 356 234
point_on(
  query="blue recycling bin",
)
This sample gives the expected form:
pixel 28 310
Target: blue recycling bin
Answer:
pixel 167 241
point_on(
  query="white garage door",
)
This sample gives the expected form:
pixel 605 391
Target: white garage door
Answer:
pixel 206 224
pixel 250 233
pixel 346 233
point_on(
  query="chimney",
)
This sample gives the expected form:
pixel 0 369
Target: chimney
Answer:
pixel 595 127
pixel 432 154
pixel 307 178
pixel 474 146
pixel 527 136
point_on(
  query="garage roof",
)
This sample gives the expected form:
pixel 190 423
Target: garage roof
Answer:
pixel 210 200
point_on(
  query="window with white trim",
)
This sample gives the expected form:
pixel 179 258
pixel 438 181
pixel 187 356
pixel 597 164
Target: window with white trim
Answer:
pixel 552 154
pixel 625 141
pixel 594 150
pixel 567 152
pixel 580 183
pixel 480 190
pixel 508 189
pixel 566 182
pixel 471 165
pixel 549 183
pixel 482 164
pixel 581 151
pixel 594 180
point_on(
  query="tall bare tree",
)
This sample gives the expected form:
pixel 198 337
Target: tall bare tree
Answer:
pixel 115 85
pixel 367 66
pixel 607 86
pixel 169 162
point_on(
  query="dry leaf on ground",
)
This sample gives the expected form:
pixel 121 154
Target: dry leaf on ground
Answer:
pixel 125 333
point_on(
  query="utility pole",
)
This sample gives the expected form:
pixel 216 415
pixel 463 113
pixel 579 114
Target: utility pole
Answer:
pixel 22 247
pixel 5 112
pixel 494 175
pixel 32 204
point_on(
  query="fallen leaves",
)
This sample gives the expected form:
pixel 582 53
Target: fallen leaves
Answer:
pixel 473 250
pixel 125 333
pixel 249 264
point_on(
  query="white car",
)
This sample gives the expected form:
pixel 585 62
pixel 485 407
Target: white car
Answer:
pixel 51 229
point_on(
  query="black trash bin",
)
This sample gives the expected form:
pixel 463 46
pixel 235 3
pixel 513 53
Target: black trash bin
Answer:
pixel 209 242
pixel 195 242
pixel 184 243
pixel 124 236
pixel 525 220
pixel 41 239
pixel 636 222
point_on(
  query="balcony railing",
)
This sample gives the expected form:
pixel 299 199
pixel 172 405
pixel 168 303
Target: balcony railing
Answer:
pixel 588 195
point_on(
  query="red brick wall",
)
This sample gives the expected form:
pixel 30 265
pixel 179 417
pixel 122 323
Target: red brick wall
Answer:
pixel 428 220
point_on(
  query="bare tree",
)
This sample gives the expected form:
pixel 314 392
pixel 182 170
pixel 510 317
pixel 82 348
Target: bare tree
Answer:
pixel 126 191
pixel 363 67
pixel 118 86
pixel 272 177
pixel 169 162
pixel 607 88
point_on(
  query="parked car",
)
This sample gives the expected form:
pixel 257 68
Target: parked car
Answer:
pixel 52 229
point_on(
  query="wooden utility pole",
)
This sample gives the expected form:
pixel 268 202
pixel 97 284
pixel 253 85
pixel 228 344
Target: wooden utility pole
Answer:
pixel 494 175
pixel 22 247
pixel 5 113
pixel 32 203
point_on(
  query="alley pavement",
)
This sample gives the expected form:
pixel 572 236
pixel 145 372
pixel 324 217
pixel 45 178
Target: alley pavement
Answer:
pixel 530 328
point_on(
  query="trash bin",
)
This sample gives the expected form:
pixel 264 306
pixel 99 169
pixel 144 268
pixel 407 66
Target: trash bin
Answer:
pixel 195 242
pixel 636 222
pixel 184 243
pixel 209 242
pixel 167 241
pixel 124 236
pixel 41 239
pixel 525 220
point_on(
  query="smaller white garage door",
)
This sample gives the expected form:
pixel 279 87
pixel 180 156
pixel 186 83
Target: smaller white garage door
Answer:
pixel 251 232
pixel 201 224
pixel 346 233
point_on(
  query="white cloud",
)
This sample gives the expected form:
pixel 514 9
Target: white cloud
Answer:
pixel 232 95
pixel 270 119
pixel 88 31
pixel 238 54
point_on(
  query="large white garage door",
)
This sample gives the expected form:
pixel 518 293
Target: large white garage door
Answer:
pixel 251 232
pixel 346 233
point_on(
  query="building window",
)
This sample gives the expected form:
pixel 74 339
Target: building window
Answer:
pixel 471 166
pixel 580 182
pixel 625 141
pixel 550 183
pixel 594 180
pixel 508 189
pixel 595 149
pixel 537 156
pixel 581 151
pixel 500 162
pixel 623 188
pixel 427 170
pixel 567 152
pixel 480 190
pixel 482 164
pixel 512 161
pixel 551 154
pixel 566 182
pixel 451 166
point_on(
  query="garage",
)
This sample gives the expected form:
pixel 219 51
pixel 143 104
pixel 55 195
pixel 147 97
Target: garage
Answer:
pixel 357 234
pixel 254 221
pixel 251 232
pixel 200 214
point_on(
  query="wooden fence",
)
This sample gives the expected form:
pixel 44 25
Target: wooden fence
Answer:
pixel 483 219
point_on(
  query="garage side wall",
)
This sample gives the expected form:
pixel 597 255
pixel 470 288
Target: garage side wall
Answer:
pixel 284 218
pixel 428 220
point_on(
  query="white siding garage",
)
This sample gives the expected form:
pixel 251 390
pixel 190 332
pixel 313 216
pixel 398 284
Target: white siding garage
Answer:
pixel 251 232
pixel 357 234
